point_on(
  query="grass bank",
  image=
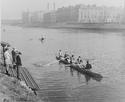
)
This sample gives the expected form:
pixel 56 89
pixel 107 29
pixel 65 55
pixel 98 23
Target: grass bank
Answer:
pixel 13 90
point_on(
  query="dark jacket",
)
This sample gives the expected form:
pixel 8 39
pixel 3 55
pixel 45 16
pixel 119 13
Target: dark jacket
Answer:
pixel 18 60
pixel 13 55
pixel 88 66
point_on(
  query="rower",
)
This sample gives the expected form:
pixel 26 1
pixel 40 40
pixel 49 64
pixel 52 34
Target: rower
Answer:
pixel 60 54
pixel 72 59
pixel 79 60
pixel 42 38
pixel 66 55
pixel 68 59
pixel 88 65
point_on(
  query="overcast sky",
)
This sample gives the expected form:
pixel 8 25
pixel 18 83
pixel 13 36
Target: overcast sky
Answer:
pixel 12 9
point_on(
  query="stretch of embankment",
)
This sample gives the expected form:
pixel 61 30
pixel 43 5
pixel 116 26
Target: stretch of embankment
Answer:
pixel 93 26
pixel 90 26
pixel 13 90
pixel 69 25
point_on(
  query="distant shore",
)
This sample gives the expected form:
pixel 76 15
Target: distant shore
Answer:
pixel 93 26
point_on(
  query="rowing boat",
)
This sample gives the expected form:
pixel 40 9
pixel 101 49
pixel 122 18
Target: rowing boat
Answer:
pixel 80 69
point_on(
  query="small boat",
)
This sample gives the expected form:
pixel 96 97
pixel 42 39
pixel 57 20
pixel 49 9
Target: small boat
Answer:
pixel 80 69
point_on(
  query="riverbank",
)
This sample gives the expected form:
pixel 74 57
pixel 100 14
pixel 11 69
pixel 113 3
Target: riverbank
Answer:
pixel 13 90
pixel 89 26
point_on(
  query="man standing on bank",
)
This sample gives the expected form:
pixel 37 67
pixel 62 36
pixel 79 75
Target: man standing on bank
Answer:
pixel 18 63
pixel 13 52
pixel 8 60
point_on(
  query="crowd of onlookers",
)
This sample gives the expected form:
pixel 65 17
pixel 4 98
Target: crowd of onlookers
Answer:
pixel 11 59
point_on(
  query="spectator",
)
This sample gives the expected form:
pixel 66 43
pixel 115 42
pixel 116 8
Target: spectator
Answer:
pixel 8 60
pixel 18 63
pixel 13 52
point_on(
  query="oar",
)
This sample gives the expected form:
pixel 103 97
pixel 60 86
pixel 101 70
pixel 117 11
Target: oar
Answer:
pixel 48 64
pixel 38 65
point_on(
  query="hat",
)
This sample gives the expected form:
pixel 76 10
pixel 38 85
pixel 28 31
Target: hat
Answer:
pixel 17 52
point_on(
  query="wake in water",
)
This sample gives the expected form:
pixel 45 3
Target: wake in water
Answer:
pixel 45 65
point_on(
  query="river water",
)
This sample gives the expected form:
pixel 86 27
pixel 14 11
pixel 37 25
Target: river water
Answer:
pixel 106 49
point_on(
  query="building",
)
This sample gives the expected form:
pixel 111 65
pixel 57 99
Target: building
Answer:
pixel 36 17
pixel 67 14
pixel 25 17
pixel 113 15
pixel 91 14
pixel 32 17
pixel 49 17
pixel 76 14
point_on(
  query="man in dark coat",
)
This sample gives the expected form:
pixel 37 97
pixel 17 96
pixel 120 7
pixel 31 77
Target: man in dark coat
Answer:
pixel 13 52
pixel 18 63
pixel 88 66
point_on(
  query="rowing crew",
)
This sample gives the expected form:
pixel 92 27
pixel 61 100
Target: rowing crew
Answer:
pixel 71 59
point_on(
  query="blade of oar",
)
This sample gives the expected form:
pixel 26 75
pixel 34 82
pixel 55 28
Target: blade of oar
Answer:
pixel 48 64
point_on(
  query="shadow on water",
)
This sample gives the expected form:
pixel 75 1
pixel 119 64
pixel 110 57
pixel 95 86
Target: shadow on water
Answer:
pixel 88 74
pixel 94 76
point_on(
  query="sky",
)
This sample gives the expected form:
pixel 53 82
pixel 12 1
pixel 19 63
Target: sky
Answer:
pixel 12 9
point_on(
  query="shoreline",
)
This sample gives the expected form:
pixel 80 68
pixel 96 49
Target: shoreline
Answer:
pixel 13 90
pixel 81 26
